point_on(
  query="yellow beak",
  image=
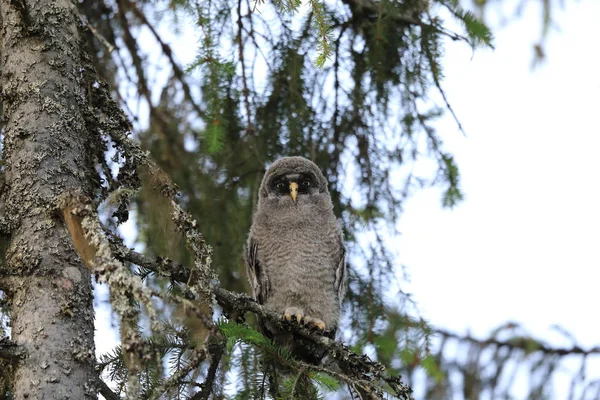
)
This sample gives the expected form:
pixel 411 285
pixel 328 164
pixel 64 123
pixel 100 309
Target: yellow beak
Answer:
pixel 294 190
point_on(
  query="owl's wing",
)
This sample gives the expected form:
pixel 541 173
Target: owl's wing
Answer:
pixel 340 273
pixel 257 277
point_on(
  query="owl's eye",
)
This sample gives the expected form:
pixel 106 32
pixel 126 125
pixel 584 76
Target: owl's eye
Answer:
pixel 279 185
pixel 306 182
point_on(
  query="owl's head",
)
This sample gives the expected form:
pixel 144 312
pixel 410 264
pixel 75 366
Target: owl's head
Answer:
pixel 293 178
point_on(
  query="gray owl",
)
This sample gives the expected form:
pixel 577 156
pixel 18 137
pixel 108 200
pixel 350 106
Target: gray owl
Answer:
pixel 295 255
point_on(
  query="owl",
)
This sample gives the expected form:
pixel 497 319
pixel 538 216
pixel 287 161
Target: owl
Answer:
pixel 295 256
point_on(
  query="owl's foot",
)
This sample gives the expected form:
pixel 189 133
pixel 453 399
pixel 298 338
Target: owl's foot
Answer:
pixel 316 322
pixel 298 315
pixel 295 312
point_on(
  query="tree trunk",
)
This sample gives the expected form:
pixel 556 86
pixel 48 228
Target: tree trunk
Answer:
pixel 46 152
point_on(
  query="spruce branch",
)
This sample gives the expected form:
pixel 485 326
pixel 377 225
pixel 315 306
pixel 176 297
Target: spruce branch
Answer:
pixel 175 379
pixel 359 370
pixel 523 343
pixel 236 305
pixel 370 8
pixel 216 350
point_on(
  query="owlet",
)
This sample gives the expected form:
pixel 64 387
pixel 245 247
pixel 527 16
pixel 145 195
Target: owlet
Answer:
pixel 295 256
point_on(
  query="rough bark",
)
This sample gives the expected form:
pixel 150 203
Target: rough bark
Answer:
pixel 46 152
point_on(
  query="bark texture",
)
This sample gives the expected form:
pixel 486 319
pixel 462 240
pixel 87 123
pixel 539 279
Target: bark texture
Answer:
pixel 46 152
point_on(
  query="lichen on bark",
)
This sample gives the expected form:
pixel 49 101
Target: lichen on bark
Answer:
pixel 47 150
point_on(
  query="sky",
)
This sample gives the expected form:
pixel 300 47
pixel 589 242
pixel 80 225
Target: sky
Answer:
pixel 523 245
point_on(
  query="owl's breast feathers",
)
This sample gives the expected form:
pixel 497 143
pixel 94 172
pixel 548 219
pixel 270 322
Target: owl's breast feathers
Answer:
pixel 300 257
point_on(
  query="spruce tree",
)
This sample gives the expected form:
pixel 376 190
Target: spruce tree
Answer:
pixel 102 124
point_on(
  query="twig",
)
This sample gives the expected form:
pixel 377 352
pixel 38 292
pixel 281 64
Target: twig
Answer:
pixel 107 392
pixel 197 357
pixel 216 350
pixel 179 74
pixel 438 85
pixel 98 35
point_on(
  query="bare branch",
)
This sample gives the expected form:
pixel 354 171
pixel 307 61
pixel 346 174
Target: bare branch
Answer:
pixel 179 74
pixel 523 343
pixel 107 392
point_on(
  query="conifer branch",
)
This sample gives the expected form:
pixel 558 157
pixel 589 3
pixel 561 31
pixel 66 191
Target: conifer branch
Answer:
pixel 237 304
pixel 216 350
pixel 175 379
pixel 361 371
pixel 368 7
pixel 522 343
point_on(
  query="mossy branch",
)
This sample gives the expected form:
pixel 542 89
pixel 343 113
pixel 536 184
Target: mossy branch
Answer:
pixel 358 369
pixel 125 288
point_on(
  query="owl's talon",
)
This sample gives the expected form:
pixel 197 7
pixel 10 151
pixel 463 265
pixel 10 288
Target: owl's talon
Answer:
pixel 316 322
pixel 295 312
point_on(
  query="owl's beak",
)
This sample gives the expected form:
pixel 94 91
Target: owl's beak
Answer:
pixel 293 190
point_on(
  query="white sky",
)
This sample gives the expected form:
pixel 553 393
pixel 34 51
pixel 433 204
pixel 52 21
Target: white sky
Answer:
pixel 523 246
pixel 524 243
